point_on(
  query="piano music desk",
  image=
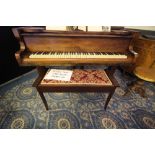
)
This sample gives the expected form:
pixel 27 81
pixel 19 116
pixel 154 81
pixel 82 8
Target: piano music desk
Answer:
pixel 81 81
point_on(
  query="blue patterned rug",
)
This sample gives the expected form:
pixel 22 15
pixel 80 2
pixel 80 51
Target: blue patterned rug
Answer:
pixel 22 107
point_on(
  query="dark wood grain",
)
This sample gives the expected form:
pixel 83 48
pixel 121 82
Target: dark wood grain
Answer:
pixel 41 40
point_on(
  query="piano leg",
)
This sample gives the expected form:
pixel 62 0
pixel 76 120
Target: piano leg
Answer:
pixel 79 67
pixel 41 70
pixel 112 69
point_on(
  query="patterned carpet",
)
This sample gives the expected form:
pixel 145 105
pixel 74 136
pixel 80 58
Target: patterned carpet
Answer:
pixel 21 107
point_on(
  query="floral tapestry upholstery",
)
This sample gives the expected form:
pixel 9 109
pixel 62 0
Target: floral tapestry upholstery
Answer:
pixel 89 77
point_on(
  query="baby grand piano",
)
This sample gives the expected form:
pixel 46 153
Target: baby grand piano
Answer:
pixel 43 48
pixel 40 47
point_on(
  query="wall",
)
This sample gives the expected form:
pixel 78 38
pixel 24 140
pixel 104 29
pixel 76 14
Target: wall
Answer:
pixel 150 28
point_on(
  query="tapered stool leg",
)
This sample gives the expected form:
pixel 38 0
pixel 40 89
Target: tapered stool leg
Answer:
pixel 108 99
pixel 43 99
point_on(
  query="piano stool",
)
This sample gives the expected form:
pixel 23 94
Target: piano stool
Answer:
pixel 81 81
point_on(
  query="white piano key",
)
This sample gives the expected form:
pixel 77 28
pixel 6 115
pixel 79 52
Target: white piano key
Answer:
pixel 79 55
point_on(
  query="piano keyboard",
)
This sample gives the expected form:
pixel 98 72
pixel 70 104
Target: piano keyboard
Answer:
pixel 64 55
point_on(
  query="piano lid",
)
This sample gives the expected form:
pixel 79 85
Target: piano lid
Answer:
pixel 39 39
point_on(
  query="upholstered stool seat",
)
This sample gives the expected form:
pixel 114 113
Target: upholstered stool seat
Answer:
pixel 81 81
pixel 82 77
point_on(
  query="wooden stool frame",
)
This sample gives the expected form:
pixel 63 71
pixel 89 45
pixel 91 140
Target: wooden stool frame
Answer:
pixel 68 88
